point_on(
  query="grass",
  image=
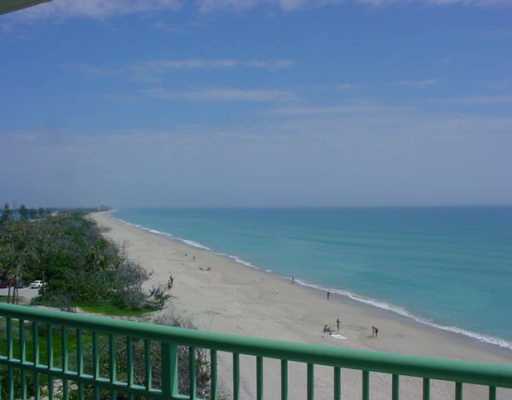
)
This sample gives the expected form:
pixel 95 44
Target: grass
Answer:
pixel 112 310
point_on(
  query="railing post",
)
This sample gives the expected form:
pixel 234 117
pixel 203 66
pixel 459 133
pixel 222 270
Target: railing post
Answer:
pixel 169 370
pixel 492 392
pixel 395 390
pixel 426 389
pixel 259 378
pixel 337 383
pixel 284 380
pixel 311 381
pixel 458 391
pixel 366 385
pixel 236 376
pixel 213 375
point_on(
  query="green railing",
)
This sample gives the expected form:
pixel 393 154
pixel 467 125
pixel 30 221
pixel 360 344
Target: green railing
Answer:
pixel 41 347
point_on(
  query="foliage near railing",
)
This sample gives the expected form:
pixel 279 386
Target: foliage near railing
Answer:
pixel 75 356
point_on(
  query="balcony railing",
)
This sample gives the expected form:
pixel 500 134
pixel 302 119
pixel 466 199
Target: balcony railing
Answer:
pixel 77 356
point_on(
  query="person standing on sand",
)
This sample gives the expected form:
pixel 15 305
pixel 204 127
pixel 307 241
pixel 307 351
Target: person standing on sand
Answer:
pixel 328 295
pixel 338 324
pixel 170 283
pixel 375 331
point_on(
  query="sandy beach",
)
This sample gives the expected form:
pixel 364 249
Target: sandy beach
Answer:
pixel 219 294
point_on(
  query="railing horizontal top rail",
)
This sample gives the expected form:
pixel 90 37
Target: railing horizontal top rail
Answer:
pixel 499 375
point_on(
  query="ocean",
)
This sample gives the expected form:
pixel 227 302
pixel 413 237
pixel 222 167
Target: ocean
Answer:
pixel 446 267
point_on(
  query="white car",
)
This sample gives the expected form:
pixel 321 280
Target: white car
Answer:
pixel 36 285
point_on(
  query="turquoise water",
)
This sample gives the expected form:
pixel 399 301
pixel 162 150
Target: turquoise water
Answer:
pixel 449 267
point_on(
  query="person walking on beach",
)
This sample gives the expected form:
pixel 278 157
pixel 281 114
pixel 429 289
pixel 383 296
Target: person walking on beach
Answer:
pixel 170 283
pixel 328 295
pixel 338 324
pixel 375 331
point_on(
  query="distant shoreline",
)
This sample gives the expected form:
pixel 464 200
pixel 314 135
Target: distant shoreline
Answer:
pixel 254 302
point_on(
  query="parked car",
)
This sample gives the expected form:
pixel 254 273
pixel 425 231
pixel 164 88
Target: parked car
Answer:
pixel 36 285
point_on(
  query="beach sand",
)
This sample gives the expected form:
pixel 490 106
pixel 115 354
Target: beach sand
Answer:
pixel 216 293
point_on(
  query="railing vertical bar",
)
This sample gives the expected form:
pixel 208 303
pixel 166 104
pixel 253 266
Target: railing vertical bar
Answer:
pixel 311 381
pixel 236 376
pixel 35 343
pixel 147 364
pixel 395 390
pixel 174 369
pixel 49 346
pixel 65 389
pixel 192 372
pixel 337 383
pixel 24 391
pixel 79 353
pixel 213 375
pixel 259 378
pixel 10 383
pixel 129 353
pixel 97 393
pixel 284 379
pixel 23 341
pixel 492 392
pixel 8 328
pixel 95 356
pixel 37 387
pixel 80 390
pixel 64 348
pixel 458 391
pixel 426 389
pixel 112 373
pixel 366 385
pixel 50 388
pixel 169 376
pixel 112 355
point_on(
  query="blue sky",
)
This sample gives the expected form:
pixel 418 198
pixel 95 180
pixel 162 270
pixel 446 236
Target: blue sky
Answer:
pixel 257 103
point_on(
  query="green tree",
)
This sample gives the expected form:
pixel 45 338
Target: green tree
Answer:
pixel 23 212
pixel 6 214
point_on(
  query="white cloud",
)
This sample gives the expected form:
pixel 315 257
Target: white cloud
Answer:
pixel 479 100
pixel 343 109
pixel 345 86
pixel 479 3
pixel 108 8
pixel 195 63
pixel 222 94
pixel 418 84
pixel 99 8
pixel 286 5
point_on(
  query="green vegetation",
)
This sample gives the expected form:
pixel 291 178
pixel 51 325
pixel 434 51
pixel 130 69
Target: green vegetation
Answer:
pixel 112 310
pixel 79 266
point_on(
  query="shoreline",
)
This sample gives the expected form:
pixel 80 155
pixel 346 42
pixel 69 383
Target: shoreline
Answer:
pixel 496 345
pixel 216 294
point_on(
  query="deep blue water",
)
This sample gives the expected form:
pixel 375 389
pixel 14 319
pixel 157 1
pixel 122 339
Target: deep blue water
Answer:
pixel 448 266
